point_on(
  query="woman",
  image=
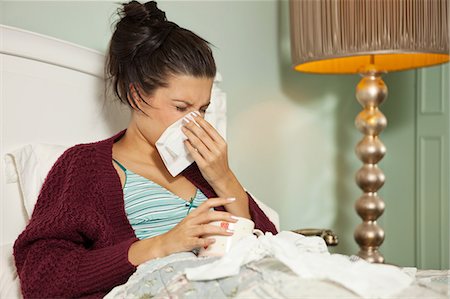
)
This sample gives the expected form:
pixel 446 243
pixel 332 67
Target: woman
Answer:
pixel 109 206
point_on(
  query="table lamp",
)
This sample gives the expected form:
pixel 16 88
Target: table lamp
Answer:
pixel 368 37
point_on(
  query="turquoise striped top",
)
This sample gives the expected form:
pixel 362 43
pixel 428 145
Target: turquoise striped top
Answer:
pixel 152 209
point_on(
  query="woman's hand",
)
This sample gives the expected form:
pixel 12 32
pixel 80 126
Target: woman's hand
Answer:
pixel 190 233
pixel 210 152
pixel 208 149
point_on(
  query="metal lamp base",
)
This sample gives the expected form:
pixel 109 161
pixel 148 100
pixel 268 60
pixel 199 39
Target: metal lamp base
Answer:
pixel 370 92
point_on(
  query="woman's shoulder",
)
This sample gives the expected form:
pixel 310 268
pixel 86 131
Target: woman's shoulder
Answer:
pixel 81 151
pixel 88 153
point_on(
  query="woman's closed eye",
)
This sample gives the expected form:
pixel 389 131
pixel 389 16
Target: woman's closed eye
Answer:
pixel 184 109
pixel 204 108
pixel 181 109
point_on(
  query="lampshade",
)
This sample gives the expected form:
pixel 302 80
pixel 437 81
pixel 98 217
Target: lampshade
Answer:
pixel 344 36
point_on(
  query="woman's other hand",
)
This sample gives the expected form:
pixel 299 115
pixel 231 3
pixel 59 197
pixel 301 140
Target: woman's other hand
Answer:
pixel 190 233
pixel 210 152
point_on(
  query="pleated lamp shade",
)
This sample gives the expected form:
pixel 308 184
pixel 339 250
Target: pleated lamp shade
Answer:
pixel 344 36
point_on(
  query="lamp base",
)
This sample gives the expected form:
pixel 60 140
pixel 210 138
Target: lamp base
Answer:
pixel 370 92
pixel 371 255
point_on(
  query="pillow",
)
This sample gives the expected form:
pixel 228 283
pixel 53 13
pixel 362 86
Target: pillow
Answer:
pixel 29 166
pixel 9 281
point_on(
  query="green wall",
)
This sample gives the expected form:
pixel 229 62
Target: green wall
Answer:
pixel 292 135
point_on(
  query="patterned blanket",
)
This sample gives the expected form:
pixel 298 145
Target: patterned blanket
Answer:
pixel 265 278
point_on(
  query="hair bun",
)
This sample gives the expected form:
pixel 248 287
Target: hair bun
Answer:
pixel 144 13
pixel 154 13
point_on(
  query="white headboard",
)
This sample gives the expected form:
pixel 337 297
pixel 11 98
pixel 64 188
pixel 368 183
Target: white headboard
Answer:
pixel 52 92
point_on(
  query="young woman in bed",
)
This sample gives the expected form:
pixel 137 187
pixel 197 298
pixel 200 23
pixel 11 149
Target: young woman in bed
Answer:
pixel 109 206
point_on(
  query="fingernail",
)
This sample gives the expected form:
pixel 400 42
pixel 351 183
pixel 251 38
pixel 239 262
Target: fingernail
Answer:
pixel 186 120
pixel 196 113
pixel 231 198
pixel 234 217
pixel 230 231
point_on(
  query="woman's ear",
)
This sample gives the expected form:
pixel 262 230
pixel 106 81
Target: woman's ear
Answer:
pixel 135 97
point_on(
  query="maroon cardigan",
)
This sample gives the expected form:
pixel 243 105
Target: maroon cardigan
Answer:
pixel 76 243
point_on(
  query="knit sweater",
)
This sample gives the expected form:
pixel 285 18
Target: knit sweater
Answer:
pixel 76 243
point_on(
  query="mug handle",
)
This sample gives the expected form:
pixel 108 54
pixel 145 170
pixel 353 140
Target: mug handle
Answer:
pixel 258 233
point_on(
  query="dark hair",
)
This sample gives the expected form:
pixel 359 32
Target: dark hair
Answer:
pixel 146 48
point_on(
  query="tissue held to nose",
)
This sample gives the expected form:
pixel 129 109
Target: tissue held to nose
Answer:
pixel 171 145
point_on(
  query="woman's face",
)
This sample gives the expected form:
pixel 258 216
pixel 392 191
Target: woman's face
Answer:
pixel 182 95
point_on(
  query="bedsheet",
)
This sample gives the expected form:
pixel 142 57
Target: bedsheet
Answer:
pixel 266 278
pixel 281 266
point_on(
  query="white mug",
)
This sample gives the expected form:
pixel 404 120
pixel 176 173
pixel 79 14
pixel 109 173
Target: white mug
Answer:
pixel 242 228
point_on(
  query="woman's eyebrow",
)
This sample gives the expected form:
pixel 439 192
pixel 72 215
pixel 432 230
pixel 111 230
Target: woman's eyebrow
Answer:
pixel 183 101
pixel 189 103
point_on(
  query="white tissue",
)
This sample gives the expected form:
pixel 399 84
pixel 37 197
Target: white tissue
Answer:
pixel 308 257
pixel 171 147
pixel 216 114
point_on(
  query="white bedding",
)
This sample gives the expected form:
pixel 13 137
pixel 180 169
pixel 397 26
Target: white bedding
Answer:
pixel 301 269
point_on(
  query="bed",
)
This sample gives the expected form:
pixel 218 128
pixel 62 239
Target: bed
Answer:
pixel 52 97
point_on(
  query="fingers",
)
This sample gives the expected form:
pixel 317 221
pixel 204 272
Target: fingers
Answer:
pixel 203 242
pixel 204 132
pixel 212 230
pixel 194 230
pixel 197 242
pixel 197 235
pixel 211 216
pixel 201 125
pixel 193 151
pixel 200 139
pixel 209 129
pixel 212 203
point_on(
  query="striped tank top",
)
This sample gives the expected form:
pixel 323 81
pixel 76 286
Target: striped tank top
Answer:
pixel 152 209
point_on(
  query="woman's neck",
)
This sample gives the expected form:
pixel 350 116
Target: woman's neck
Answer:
pixel 133 146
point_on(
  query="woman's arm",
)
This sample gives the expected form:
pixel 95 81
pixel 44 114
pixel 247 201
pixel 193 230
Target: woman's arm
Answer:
pixel 228 186
pixel 210 152
pixel 68 249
